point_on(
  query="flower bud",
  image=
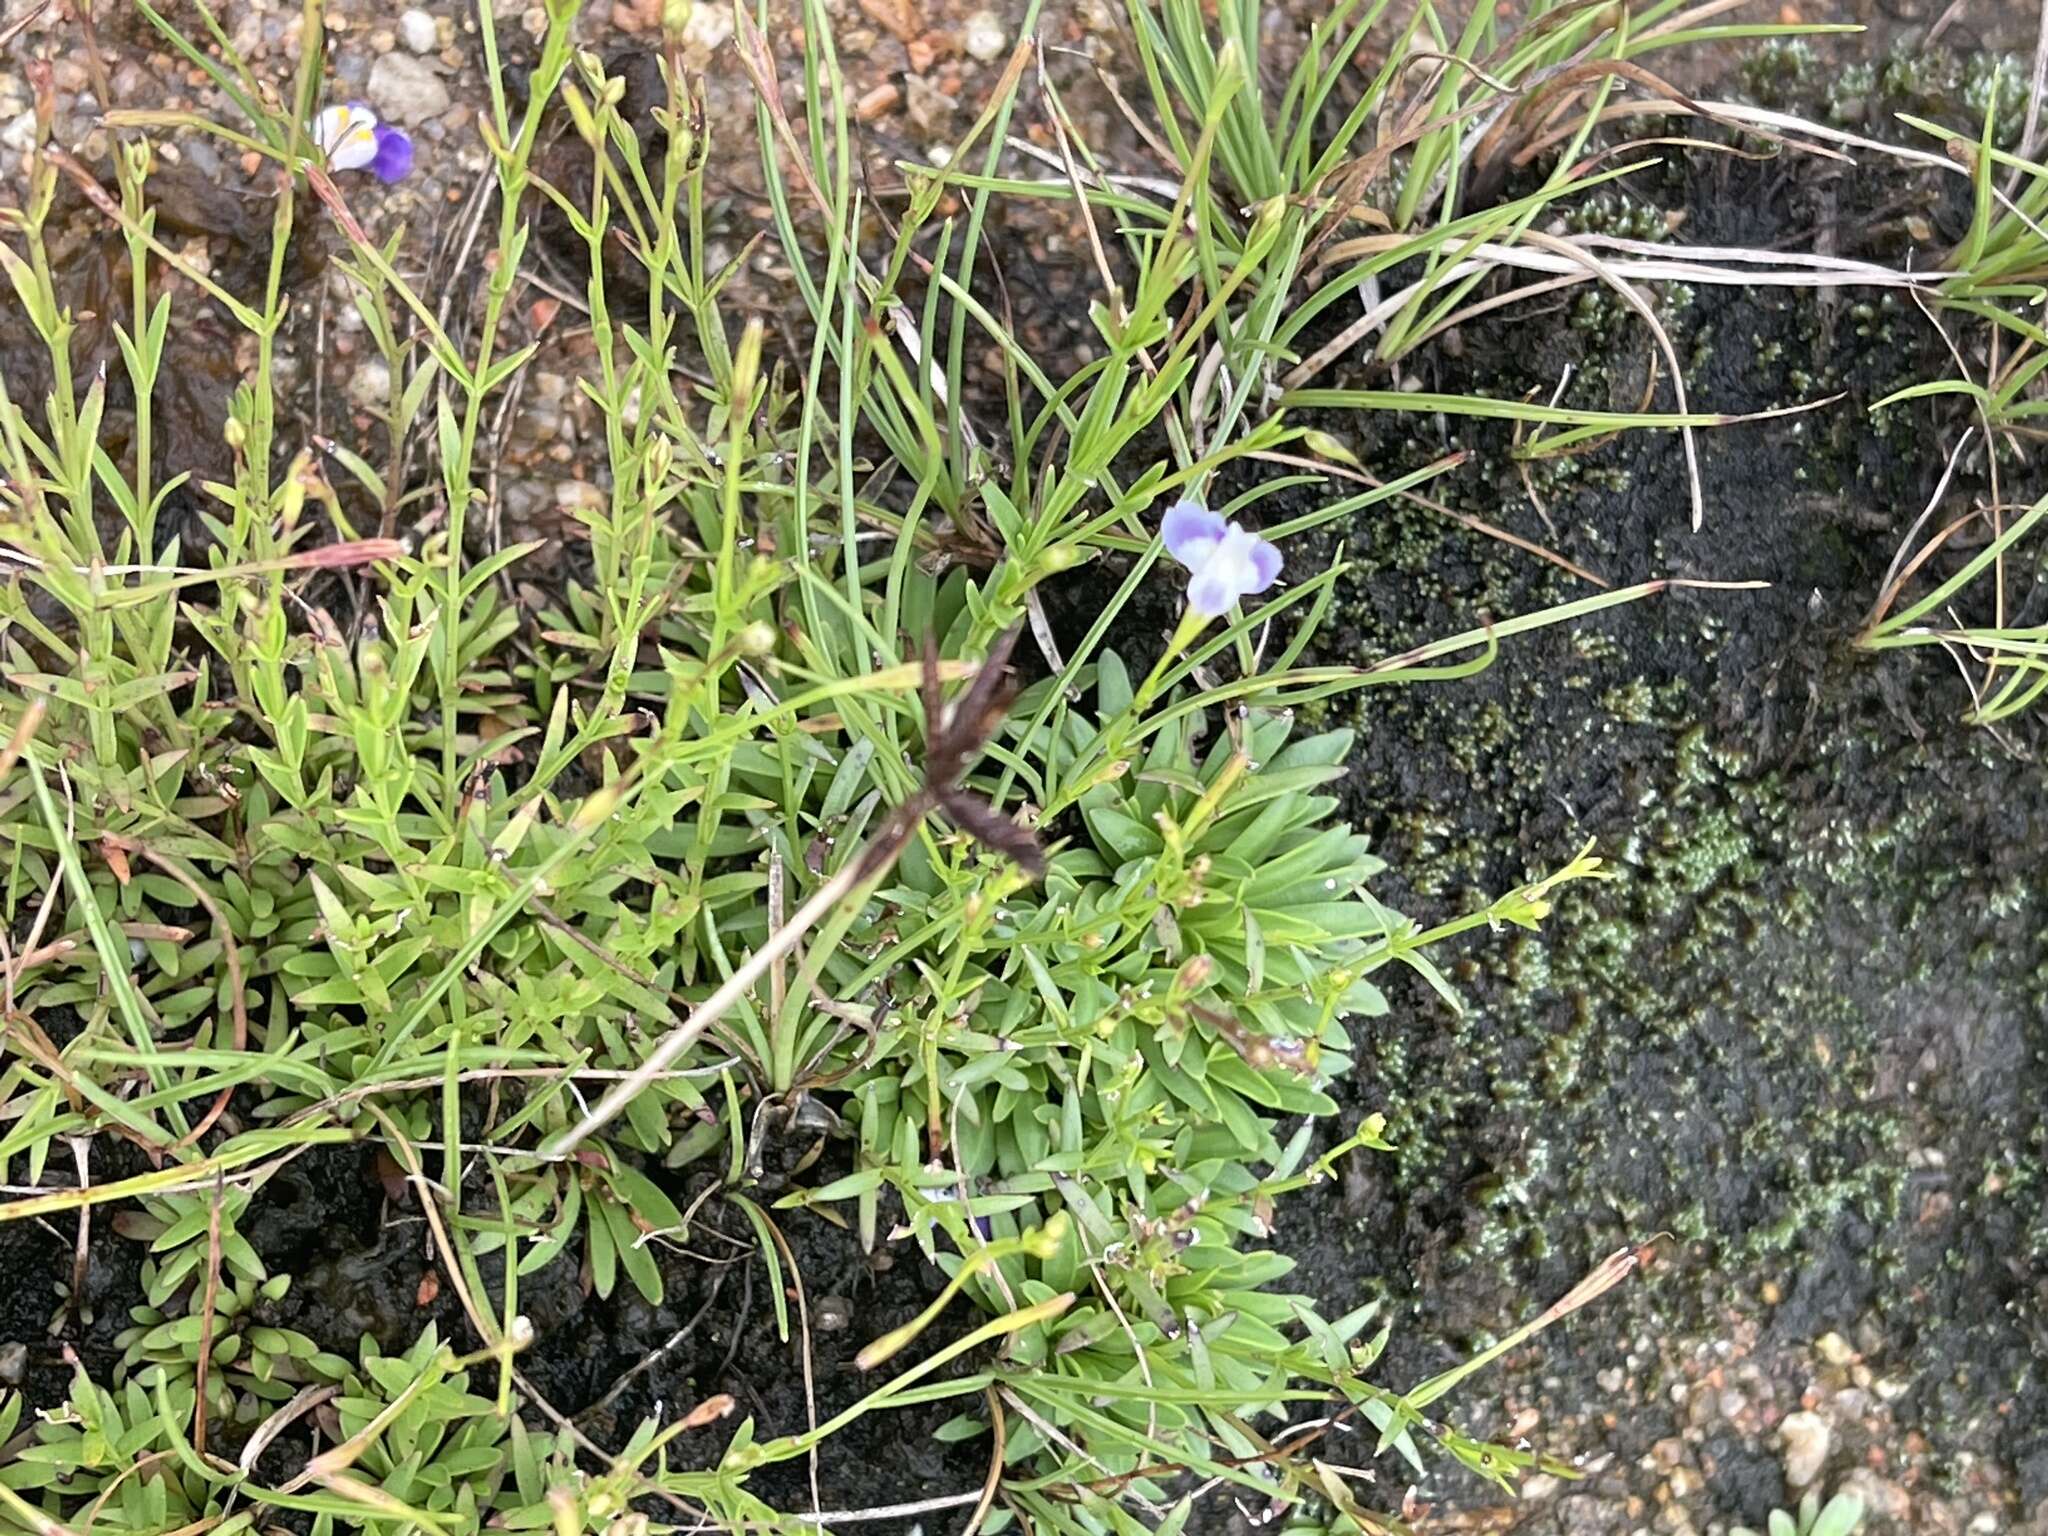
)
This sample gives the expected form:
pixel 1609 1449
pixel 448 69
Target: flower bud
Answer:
pixel 596 810
pixel 1324 446
pixel 1266 221
pixel 746 367
pixel 1061 557
pixel 1045 1242
pixel 579 113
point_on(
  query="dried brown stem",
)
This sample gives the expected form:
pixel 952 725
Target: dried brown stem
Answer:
pixel 208 1298
pixel 81 1250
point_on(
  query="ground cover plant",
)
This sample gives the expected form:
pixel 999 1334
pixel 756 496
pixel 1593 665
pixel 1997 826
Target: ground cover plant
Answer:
pixel 1994 295
pixel 1839 1517
pixel 785 843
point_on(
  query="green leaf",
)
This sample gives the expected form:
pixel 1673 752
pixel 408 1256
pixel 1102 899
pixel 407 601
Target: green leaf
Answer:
pixel 644 1196
pixel 602 1248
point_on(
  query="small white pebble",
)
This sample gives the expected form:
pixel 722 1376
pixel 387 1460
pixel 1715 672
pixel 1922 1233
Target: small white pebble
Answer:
pixel 708 27
pixel 419 31
pixel 19 133
pixel 369 387
pixel 985 38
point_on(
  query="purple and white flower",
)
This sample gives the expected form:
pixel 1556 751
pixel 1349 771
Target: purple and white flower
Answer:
pixel 353 140
pixel 1225 561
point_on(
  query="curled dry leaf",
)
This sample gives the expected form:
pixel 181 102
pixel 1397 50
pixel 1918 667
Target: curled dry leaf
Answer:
pixel 709 1411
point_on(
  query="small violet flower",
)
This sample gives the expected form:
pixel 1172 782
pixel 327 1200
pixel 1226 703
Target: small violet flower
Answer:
pixel 353 140
pixel 1225 561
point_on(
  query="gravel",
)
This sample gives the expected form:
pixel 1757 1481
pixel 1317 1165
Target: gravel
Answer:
pixel 1807 1437
pixel 406 89
pixel 19 134
pixel 369 387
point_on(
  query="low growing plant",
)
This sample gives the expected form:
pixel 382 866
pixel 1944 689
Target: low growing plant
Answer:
pixel 1983 611
pixel 1840 1516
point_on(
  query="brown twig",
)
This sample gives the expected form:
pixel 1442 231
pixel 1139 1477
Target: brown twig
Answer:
pixel 778 908
pixel 1431 650
pixel 999 1436
pixel 1899 572
pixel 1464 519
pixel 1521 459
pixel 1632 297
pixel 28 961
pixel 23 733
pixel 878 1512
pixel 206 1305
pixel 81 1251
pixel 302 1403
pixel 662 1351
pixel 28 1038
pixel 324 188
pixel 2030 130
pixel 95 62
pixel 21 23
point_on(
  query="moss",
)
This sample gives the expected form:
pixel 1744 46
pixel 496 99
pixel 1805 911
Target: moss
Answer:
pixel 1665 1037
pixel 1996 82
pixel 1781 71
pixel 1616 213
pixel 1848 96
pixel 1956 89
pixel 1702 886
pixel 1698 1048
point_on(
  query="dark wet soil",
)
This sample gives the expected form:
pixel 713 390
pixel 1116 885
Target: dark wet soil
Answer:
pixel 1804 1033
pixel 362 1263
pixel 36 1306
